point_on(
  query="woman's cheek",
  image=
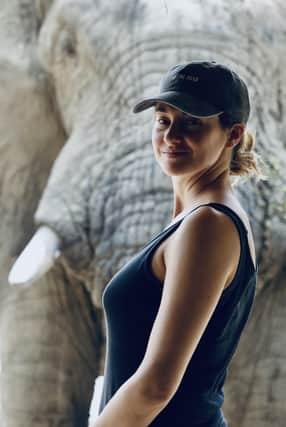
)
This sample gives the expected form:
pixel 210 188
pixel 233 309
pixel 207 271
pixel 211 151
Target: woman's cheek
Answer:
pixel 156 149
pixel 197 135
pixel 156 139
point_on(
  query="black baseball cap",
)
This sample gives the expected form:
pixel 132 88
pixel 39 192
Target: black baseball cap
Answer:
pixel 202 89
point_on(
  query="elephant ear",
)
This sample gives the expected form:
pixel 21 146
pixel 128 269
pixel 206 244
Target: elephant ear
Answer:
pixel 30 132
pixel 273 135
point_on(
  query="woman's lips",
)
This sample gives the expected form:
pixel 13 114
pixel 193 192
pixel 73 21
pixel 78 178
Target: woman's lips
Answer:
pixel 174 153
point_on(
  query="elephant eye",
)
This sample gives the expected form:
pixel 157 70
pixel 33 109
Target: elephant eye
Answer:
pixel 68 44
pixel 69 48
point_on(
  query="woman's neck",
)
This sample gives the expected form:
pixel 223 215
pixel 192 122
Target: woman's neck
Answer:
pixel 190 198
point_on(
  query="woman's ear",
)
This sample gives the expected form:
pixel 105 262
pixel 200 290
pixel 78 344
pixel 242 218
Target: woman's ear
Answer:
pixel 235 134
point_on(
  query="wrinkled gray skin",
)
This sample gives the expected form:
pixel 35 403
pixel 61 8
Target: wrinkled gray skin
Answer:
pixel 76 159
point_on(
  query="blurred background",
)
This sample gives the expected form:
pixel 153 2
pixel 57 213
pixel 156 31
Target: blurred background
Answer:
pixel 81 192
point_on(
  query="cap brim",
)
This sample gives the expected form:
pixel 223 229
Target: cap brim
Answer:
pixel 187 103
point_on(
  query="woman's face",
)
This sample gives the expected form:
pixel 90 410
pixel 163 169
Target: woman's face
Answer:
pixel 197 144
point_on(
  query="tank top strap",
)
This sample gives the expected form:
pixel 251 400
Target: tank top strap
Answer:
pixel 243 232
pixel 230 212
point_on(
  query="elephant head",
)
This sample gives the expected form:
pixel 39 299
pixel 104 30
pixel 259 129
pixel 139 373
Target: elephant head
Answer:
pixel 101 57
pixel 105 196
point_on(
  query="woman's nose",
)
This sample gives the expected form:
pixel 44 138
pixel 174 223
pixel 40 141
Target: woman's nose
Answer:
pixel 172 134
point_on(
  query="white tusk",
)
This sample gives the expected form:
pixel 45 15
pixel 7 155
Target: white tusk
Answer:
pixel 37 258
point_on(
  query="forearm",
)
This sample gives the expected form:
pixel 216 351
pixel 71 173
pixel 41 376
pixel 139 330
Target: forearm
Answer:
pixel 129 407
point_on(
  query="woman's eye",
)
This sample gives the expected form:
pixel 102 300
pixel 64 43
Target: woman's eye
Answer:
pixel 184 124
pixel 193 122
pixel 161 121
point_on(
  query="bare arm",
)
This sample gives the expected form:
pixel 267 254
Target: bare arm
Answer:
pixel 131 406
pixel 199 261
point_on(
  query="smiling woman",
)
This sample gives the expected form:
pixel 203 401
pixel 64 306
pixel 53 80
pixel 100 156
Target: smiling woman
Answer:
pixel 178 135
pixel 187 123
pixel 175 312
pixel 243 160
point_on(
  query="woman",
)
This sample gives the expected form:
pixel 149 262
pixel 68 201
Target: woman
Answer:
pixel 176 310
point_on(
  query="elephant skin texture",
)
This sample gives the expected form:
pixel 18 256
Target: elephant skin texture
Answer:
pixel 72 71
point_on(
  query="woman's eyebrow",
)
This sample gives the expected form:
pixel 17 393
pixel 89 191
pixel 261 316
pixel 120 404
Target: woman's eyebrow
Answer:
pixel 160 108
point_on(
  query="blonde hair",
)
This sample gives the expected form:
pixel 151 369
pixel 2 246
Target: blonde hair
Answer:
pixel 245 160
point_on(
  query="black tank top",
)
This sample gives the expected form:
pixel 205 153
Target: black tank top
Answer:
pixel 131 300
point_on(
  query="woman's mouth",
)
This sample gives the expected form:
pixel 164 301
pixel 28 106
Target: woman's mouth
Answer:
pixel 174 153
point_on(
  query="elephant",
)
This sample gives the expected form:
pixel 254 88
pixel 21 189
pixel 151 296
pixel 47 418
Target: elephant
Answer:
pixel 82 191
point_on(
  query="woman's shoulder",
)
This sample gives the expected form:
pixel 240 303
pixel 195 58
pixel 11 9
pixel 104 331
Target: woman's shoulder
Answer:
pixel 207 219
pixel 210 216
pixel 229 200
pixel 203 229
